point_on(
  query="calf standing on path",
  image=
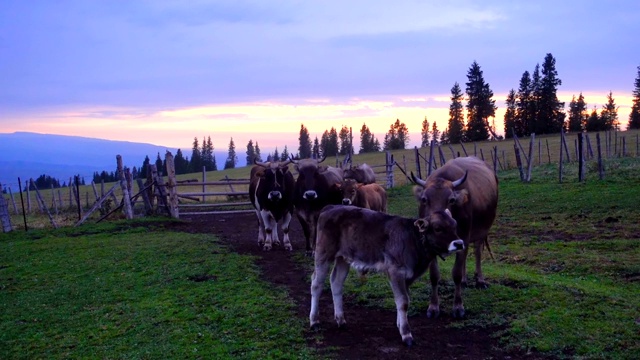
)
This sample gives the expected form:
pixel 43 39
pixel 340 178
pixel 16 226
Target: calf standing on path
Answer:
pixel 370 240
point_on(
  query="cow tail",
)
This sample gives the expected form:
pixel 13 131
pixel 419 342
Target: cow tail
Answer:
pixel 486 243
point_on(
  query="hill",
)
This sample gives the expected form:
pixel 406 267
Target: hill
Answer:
pixel 29 155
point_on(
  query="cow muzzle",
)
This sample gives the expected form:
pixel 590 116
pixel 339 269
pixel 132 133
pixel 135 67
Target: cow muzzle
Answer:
pixel 274 195
pixel 456 245
pixel 310 195
pixel 346 201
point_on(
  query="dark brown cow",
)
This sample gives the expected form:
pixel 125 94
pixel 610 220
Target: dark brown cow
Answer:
pixel 271 193
pixel 315 188
pixel 362 173
pixel 468 188
pixel 370 240
pixel 368 196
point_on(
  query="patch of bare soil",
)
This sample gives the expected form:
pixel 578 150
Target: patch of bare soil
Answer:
pixel 370 332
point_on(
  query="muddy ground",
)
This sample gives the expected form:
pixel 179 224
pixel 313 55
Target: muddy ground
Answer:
pixel 370 333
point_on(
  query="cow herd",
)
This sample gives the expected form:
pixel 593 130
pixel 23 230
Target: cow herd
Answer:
pixel 343 216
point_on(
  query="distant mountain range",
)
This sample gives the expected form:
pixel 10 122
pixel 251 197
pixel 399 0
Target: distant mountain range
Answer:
pixel 29 155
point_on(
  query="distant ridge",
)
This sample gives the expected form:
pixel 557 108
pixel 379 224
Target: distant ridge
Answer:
pixel 29 155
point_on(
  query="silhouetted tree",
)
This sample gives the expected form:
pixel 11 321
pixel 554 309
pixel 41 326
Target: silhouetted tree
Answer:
pixel 208 158
pixel 316 148
pixel 550 110
pixel 144 168
pixel 594 122
pixel 634 115
pixel 251 152
pixel 257 152
pixel 368 142
pixel 159 164
pixel 304 149
pixel 577 114
pixel 510 114
pixel 525 108
pixel 232 159
pixel 455 130
pixel 196 157
pixel 285 154
pixel 609 113
pixel 435 133
pixel 480 105
pixel 329 143
pixel 397 137
pixel 345 141
pixel 424 133
pixel 181 164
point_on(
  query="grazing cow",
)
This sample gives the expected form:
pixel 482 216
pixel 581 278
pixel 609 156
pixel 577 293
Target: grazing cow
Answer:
pixel 469 189
pixel 315 188
pixel 369 196
pixel 271 193
pixel 362 173
pixel 369 240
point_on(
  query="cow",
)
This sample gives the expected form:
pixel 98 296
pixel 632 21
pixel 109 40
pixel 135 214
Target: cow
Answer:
pixel 364 239
pixel 271 193
pixel 370 196
pixel 315 188
pixel 469 189
pixel 362 173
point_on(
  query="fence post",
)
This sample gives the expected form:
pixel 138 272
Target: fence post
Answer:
pixel 600 166
pixel 148 209
pixel 563 138
pixel 580 157
pixel 5 218
pixel 13 201
pixel 389 169
pixel 417 156
pixel 128 211
pixel 171 183
pixel 561 155
pixel 204 180
pixel 530 159
pixel 431 157
pixel 518 161
pixel 53 222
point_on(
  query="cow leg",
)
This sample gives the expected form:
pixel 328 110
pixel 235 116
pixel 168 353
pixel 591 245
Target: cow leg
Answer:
pixel 338 276
pixel 274 232
pixel 457 273
pixel 434 276
pixel 268 221
pixel 260 228
pixel 307 233
pixel 401 297
pixel 285 229
pixel 480 282
pixel 317 281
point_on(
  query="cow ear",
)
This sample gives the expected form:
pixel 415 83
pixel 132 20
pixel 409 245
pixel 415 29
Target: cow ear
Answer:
pixel 417 191
pixel 421 224
pixel 462 197
pixel 338 185
pixel 260 173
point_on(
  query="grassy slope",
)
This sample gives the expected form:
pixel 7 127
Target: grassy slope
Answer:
pixel 119 292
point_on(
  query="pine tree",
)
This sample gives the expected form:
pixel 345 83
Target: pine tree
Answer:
pixel 455 130
pixel 480 105
pixel 159 164
pixel 534 104
pixel 257 152
pixel 424 133
pixel 304 149
pixel 285 153
pixel 345 141
pixel 550 119
pixel 232 159
pixel 329 143
pixel 510 114
pixel 251 153
pixel 196 157
pixel 397 137
pixel 276 155
pixel 365 139
pixel 435 133
pixel 316 148
pixel 594 122
pixel 525 107
pixel 634 115
pixel 609 114
pixel 145 167
pixel 207 154
pixel 181 164
pixel 577 114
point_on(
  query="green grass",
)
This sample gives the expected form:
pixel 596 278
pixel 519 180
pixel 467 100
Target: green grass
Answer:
pixel 121 291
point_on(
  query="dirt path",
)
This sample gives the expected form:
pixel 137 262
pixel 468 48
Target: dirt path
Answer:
pixel 370 333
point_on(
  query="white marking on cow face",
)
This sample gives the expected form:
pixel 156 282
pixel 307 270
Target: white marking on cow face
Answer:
pixel 310 195
pixel 274 195
pixel 346 201
pixel 456 245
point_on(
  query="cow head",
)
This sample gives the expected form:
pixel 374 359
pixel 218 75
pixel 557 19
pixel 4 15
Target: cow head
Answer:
pixel 312 179
pixel 439 233
pixel 349 188
pixel 273 177
pixel 438 194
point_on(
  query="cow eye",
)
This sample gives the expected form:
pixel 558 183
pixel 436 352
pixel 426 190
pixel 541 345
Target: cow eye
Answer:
pixel 437 229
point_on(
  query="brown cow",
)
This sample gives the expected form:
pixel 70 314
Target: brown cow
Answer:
pixel 369 196
pixel 469 189
pixel 370 240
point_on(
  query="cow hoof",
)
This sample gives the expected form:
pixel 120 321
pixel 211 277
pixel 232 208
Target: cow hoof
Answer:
pixel 288 247
pixel 463 284
pixel 482 285
pixel 267 248
pixel 308 253
pixel 315 326
pixel 276 243
pixel 458 313
pixel 408 342
pixel 433 313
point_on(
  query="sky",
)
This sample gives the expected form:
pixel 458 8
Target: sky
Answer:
pixel 166 71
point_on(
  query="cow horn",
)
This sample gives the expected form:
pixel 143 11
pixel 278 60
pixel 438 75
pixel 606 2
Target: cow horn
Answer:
pixel 294 161
pixel 286 163
pixel 417 180
pixel 460 181
pixel 323 158
pixel 255 161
